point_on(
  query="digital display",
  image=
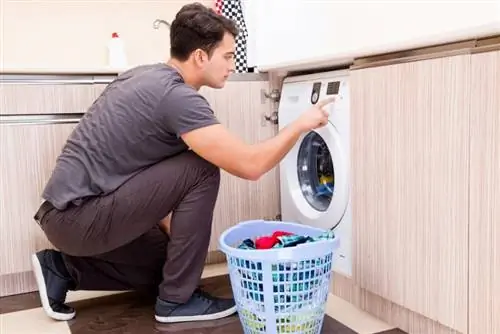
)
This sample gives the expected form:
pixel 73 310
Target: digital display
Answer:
pixel 333 88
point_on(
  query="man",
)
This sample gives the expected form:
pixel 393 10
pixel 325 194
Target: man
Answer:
pixel 150 148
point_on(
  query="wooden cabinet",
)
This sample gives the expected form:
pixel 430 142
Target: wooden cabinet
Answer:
pixel 38 98
pixel 484 242
pixel 240 107
pixel 28 154
pixel 29 148
pixel 29 151
pixel 410 169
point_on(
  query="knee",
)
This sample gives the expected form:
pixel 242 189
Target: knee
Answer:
pixel 207 169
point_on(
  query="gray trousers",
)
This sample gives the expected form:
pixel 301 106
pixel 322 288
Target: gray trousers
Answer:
pixel 114 242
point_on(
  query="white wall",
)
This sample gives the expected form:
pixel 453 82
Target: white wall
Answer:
pixel 73 34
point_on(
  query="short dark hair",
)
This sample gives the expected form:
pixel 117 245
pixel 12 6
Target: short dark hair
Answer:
pixel 198 27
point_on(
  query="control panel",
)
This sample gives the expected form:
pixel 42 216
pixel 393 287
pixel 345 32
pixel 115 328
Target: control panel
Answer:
pixel 332 88
pixel 316 90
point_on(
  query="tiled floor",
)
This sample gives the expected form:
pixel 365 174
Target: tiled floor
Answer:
pixel 131 313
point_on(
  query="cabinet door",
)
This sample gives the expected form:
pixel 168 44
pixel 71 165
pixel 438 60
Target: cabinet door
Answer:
pixel 98 89
pixel 28 155
pixel 24 99
pixel 240 107
pixel 410 157
pixel 484 266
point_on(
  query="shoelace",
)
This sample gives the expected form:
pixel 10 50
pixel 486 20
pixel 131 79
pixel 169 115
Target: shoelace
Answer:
pixel 206 297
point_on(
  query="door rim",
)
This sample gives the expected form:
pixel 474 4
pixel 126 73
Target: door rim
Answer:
pixel 332 216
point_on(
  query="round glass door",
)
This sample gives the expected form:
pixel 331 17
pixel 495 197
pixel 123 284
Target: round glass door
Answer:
pixel 315 171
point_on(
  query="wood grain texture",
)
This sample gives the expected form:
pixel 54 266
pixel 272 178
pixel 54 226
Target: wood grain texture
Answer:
pixel 17 283
pixel 28 156
pixel 410 157
pixel 484 265
pixel 386 310
pixel 238 106
pixel 23 99
pixel 29 153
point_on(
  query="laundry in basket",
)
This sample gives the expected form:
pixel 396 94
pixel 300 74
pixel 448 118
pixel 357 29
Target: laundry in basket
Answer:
pixel 303 272
pixel 281 289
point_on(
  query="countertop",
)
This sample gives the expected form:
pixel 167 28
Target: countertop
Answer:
pixel 88 75
pixel 57 71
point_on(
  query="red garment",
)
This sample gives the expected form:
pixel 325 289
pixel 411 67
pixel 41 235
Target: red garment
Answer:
pixel 265 242
pixel 269 241
pixel 281 233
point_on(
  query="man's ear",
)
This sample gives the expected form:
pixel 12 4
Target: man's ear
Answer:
pixel 200 57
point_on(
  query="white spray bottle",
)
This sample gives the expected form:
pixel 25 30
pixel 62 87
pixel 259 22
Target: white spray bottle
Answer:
pixel 116 52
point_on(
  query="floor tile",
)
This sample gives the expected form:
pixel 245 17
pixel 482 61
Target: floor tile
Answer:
pixel 129 312
pixel 33 321
pixel 393 331
pixel 214 270
pixel 351 316
pixel 19 302
pixel 31 300
pixel 74 296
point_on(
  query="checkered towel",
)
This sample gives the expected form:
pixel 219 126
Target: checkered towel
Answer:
pixel 233 10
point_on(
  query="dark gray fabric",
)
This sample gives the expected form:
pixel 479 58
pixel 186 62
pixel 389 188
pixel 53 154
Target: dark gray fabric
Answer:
pixel 136 122
pixel 113 242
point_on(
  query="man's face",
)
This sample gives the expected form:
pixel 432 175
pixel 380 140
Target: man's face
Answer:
pixel 218 68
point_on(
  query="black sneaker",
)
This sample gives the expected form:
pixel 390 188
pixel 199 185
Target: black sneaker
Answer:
pixel 200 307
pixel 53 282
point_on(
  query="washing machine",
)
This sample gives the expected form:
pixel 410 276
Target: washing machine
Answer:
pixel 314 175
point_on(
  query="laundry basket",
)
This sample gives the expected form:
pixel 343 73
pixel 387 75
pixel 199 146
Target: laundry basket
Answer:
pixel 279 290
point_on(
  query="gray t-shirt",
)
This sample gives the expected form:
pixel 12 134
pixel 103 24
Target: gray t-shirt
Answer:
pixel 136 122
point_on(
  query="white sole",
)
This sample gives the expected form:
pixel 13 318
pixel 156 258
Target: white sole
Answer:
pixel 206 317
pixel 42 290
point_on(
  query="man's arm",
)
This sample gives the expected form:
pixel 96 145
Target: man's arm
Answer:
pixel 217 145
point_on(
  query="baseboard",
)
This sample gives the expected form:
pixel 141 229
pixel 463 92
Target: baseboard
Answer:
pixel 385 310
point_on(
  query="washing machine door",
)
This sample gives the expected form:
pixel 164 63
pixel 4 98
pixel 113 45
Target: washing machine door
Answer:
pixel 319 183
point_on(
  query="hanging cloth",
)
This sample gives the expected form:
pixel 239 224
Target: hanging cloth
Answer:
pixel 218 6
pixel 233 10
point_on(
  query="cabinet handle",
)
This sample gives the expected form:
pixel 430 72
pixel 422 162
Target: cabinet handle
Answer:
pixel 40 119
pixel 43 79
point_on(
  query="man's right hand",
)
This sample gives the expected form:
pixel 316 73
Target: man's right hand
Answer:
pixel 315 117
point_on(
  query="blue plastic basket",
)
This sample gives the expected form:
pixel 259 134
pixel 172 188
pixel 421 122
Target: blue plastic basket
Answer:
pixel 280 290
